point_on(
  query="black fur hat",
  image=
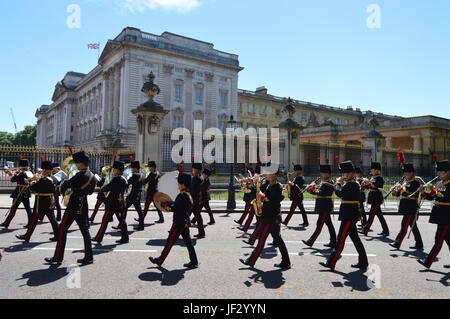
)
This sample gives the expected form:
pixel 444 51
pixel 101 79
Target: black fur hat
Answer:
pixel 47 165
pixel 443 166
pixel 408 168
pixel 80 157
pixel 119 165
pixel 184 179
pixel 375 165
pixel 325 168
pixel 24 163
pixel 346 167
pixel 135 164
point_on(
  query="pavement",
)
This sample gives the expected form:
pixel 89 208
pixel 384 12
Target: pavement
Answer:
pixel 124 271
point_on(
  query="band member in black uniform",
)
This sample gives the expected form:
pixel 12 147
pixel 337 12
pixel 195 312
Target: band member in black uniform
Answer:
pixel 196 193
pixel 134 198
pixel 296 196
pixel 271 221
pixel 324 206
pixel 251 214
pixel 152 187
pixel 362 195
pixel 375 199
pixel 347 188
pixel 82 185
pixel 440 213
pixel 21 194
pixel 249 196
pixel 44 190
pixel 115 203
pixel 408 207
pixel 100 196
pixel 181 209
pixel 206 197
pixel 56 169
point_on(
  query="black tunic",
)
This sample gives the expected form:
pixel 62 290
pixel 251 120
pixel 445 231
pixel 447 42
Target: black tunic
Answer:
pixel 408 206
pixel 135 181
pixel 250 196
pixel 21 185
pixel 196 190
pixel 206 186
pixel 152 182
pixel 296 194
pixel 44 186
pixel 375 194
pixel 271 209
pixel 440 214
pixel 349 193
pixel 324 191
pixel 82 185
pixel 116 189
pixel 181 209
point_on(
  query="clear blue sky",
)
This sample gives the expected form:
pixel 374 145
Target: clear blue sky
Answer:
pixel 320 51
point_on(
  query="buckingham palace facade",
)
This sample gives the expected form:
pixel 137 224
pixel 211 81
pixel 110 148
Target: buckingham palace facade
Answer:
pixel 92 110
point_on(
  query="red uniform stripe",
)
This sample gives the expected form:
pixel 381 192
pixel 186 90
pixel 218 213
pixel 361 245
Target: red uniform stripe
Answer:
pixel 341 243
pixel 438 247
pixel 261 243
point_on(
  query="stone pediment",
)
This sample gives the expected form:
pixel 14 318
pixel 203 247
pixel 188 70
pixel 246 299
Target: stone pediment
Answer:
pixel 110 47
pixel 59 90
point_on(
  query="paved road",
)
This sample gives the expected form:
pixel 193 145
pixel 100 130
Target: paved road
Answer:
pixel 125 272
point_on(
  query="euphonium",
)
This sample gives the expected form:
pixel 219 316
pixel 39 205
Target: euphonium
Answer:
pixel 70 168
pixel 257 203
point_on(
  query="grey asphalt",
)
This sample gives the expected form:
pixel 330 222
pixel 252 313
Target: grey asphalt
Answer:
pixel 125 272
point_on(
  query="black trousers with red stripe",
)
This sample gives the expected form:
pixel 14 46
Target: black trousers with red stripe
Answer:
pixel 121 216
pixel 244 215
pixel 205 205
pixel 67 221
pixel 58 207
pixel 251 215
pixel 273 228
pixel 362 211
pixel 348 228
pixel 137 205
pixel 442 234
pixel 13 210
pixel 408 221
pixel 294 206
pixel 148 202
pixel 175 233
pixel 324 218
pixel 256 232
pixel 196 210
pixel 39 215
pixel 96 208
pixel 375 210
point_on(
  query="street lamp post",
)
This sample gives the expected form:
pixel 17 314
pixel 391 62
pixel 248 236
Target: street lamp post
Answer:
pixel 231 203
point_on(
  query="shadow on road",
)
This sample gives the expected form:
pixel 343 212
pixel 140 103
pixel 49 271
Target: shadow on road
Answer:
pixel 22 246
pixel 166 277
pixel 272 279
pixel 43 276
pixel 420 254
pixel 162 242
pixel 356 280
pixel 445 281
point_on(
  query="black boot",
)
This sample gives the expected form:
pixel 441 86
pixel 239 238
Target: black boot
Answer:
pixel 154 260
pixel 360 266
pixel 51 261
pixel 307 243
pixel 86 261
pixel 190 265
pixel 245 262
pixel 283 265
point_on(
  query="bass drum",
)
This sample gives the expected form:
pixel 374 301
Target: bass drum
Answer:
pixel 167 189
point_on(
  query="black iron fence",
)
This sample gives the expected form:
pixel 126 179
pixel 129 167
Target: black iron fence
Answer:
pixel 10 156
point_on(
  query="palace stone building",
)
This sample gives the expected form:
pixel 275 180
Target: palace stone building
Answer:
pixel 92 110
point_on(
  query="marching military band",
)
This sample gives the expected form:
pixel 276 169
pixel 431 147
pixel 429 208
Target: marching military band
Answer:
pixel 262 195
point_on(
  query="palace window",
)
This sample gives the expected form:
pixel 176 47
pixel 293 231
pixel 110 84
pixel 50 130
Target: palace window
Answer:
pixel 178 70
pixel 278 113
pixel 223 98
pixel 177 121
pixel 199 95
pixel 304 116
pixel 251 108
pixel 223 79
pixel 199 74
pixel 338 121
pixel 178 92
pixel 262 109
pixel 239 107
pixel 346 122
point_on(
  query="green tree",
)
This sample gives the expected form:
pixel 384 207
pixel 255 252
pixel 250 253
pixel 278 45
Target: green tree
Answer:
pixel 6 138
pixel 26 137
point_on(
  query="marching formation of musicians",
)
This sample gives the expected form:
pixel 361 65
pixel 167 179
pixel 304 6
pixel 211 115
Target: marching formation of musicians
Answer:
pixel 262 193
